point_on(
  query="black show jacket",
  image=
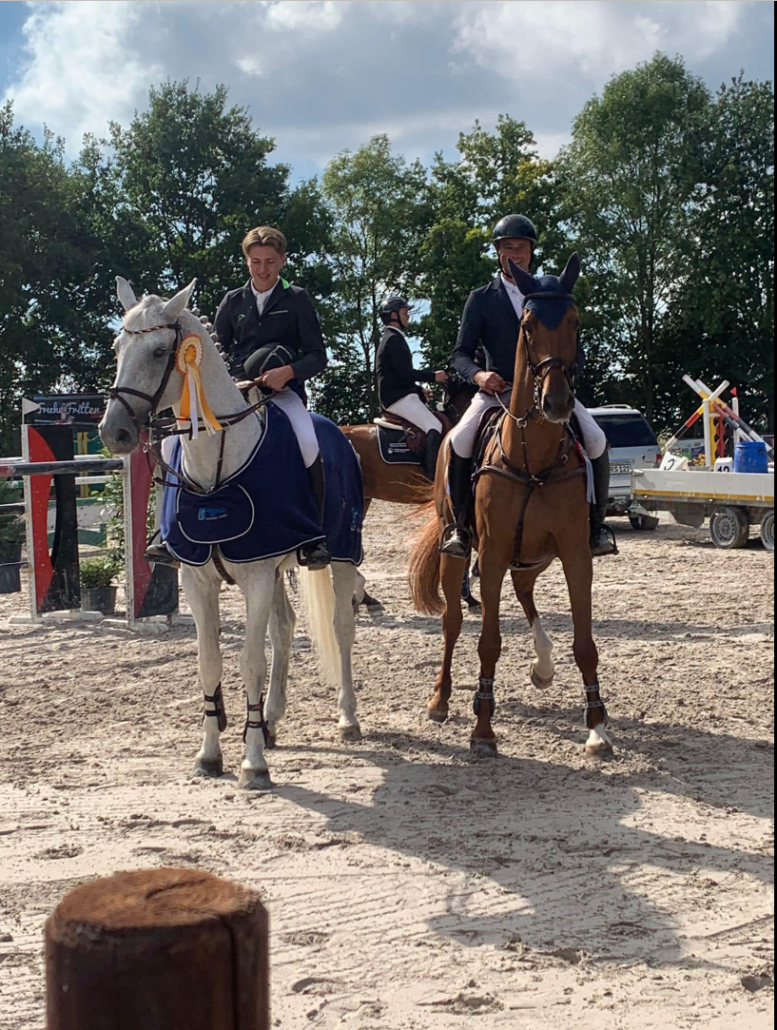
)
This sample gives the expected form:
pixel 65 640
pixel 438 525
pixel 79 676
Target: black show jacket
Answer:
pixel 289 317
pixel 396 376
pixel 490 321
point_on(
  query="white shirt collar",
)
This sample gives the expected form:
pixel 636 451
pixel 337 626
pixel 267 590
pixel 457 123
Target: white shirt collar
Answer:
pixel 262 294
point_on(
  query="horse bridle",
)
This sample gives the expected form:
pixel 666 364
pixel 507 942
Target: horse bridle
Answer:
pixel 116 393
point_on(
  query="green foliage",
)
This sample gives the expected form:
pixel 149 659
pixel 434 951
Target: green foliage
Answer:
pixel 630 183
pixel 11 526
pixel 379 209
pixel 666 190
pixel 99 572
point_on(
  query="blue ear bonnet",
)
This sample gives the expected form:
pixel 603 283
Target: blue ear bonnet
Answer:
pixel 550 311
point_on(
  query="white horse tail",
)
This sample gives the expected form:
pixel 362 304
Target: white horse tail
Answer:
pixel 320 604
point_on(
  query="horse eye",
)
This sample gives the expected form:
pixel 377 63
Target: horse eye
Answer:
pixel 160 352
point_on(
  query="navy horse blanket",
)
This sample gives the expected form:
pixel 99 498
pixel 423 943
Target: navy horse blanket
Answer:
pixel 267 509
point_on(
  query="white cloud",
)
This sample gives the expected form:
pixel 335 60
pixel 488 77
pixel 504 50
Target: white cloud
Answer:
pixel 537 40
pixel 322 75
pixel 82 69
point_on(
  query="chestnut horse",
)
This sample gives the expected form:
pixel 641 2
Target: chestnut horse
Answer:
pixel 403 484
pixel 531 506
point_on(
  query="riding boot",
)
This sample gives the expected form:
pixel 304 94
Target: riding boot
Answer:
pixel 457 538
pixel 160 554
pixel 602 537
pixel 432 445
pixel 316 555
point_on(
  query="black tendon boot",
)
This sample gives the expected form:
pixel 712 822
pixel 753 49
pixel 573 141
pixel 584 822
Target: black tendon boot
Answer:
pixel 316 556
pixel 457 539
pixel 602 537
pixel 432 445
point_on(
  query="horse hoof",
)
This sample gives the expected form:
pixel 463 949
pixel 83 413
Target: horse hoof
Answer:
pixel 210 767
pixel 475 608
pixel 539 681
pixel 599 744
pixel 272 742
pixel 256 780
pixel 438 715
pixel 350 734
pixel 483 748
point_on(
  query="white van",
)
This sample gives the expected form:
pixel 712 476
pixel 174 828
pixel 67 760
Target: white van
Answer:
pixel 633 445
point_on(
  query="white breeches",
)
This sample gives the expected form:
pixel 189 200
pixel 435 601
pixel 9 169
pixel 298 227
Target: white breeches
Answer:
pixel 463 437
pixel 414 410
pixel 291 404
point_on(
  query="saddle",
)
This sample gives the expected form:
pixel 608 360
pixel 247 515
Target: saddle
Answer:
pixel 414 437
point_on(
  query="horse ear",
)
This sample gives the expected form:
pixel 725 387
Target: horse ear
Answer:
pixel 125 293
pixel 176 304
pixel 525 281
pixel 571 273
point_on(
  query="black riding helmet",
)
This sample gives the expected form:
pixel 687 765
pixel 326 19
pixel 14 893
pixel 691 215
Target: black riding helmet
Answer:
pixel 272 355
pixel 392 305
pixel 514 227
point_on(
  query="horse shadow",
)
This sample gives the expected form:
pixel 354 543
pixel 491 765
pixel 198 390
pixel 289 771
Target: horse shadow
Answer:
pixel 546 860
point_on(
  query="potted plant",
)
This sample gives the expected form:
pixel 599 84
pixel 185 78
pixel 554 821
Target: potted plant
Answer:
pixel 11 539
pixel 98 593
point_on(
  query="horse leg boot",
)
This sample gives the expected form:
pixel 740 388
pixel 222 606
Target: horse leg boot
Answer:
pixel 457 538
pixel 432 445
pixel 202 587
pixel 316 556
pixel 578 572
pixel 602 537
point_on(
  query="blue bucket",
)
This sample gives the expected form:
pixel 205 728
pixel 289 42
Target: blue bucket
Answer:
pixel 751 456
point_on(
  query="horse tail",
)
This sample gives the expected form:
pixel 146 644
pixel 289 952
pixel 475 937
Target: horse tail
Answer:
pixel 425 566
pixel 320 604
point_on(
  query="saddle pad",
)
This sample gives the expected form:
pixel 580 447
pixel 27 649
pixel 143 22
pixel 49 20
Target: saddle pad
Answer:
pixel 394 449
pixel 215 518
pixel 267 509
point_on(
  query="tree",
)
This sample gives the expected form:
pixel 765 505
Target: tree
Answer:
pixel 496 174
pixel 47 254
pixel 630 181
pixel 193 178
pixel 721 324
pixel 380 213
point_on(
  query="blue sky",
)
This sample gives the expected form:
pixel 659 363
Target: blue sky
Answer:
pixel 324 75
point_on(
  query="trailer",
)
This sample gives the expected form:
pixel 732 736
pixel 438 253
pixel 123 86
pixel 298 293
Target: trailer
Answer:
pixel 732 501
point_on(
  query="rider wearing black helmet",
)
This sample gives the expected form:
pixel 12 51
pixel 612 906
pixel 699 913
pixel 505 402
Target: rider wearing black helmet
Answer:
pixel 397 379
pixel 491 318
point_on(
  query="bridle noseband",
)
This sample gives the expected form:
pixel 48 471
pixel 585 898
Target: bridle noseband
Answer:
pixel 116 393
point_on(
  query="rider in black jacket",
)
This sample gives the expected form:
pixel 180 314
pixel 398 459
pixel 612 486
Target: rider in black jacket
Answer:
pixel 397 379
pixel 269 332
pixel 491 320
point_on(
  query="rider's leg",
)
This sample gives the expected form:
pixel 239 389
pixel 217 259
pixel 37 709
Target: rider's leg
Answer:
pixel 313 556
pixel 157 552
pixel 462 439
pixel 414 410
pixel 595 441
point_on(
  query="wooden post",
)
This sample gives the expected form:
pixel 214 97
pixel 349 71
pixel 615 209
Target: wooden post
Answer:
pixel 160 949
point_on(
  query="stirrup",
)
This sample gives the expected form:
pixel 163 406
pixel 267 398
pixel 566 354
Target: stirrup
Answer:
pixel 160 554
pixel 456 541
pixel 314 556
pixel 602 547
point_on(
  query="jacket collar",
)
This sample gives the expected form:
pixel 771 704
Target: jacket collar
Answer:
pixel 278 293
pixel 499 287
